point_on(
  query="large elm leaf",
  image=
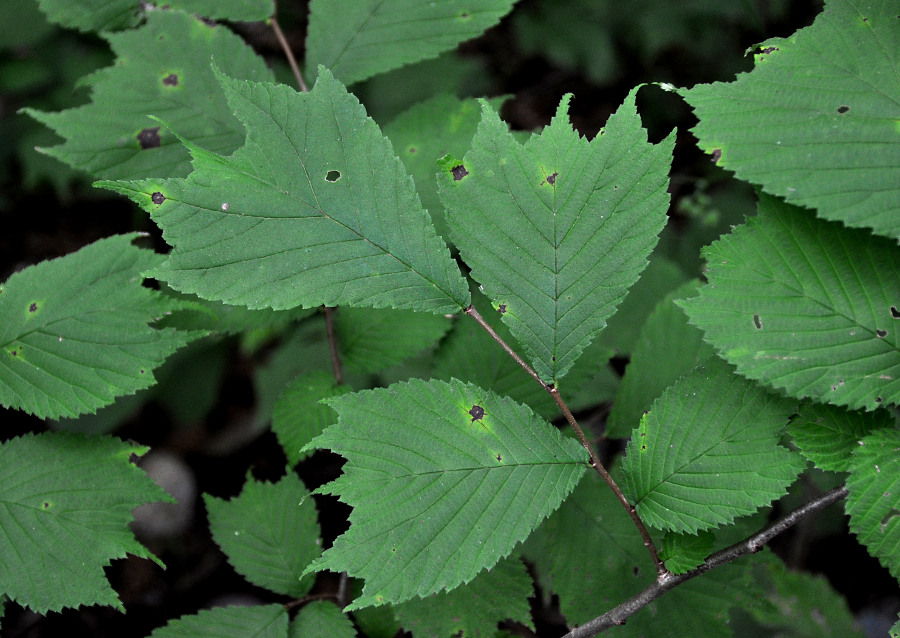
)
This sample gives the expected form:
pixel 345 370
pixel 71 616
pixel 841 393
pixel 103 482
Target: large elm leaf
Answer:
pixel 707 452
pixel 827 435
pixel 162 69
pixel 805 305
pixel 65 504
pixel 314 209
pixel 557 230
pixel 444 479
pixel 873 502
pixel 260 621
pixel 357 39
pixel 816 121
pixel 74 331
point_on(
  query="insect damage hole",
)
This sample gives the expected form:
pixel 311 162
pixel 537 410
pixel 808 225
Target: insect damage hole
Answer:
pixel 149 138
pixel 881 334
pixel 477 413
pixel 458 172
pixel 895 313
pixel 843 108
pixel 170 80
pixel 157 198
pixel 757 322
pixel 332 176
pixel 551 179
pixel 33 307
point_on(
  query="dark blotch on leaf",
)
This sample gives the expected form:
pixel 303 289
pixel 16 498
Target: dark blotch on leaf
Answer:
pixel 636 570
pixel 170 80
pixel 477 412
pixel 157 198
pixel 332 176
pixel 458 172
pixel 149 138
pixel 412 150
pixel 881 334
pixel 502 308
pixel 551 179
pixel 46 504
pixel 843 109
pixel 895 313
pixel 499 458
pixel 716 155
pixel 757 321
pixel 32 307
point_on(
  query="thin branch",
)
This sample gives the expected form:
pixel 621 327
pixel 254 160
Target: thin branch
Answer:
pixel 279 35
pixel 661 585
pixel 333 346
pixel 595 460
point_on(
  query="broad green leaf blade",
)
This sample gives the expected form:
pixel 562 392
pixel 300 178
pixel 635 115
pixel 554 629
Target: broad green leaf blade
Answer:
pixel 162 69
pixel 107 15
pixel 874 500
pixel 668 348
pixel 269 533
pixel 321 619
pixel 805 305
pixel 683 552
pixel 62 491
pixel 473 609
pixel 828 435
pixel 264 621
pixel 557 230
pixel 214 316
pixel 371 340
pixel 74 333
pixel 357 39
pixel 314 209
pixel 708 452
pixel 444 479
pixel 816 121
pixel 299 414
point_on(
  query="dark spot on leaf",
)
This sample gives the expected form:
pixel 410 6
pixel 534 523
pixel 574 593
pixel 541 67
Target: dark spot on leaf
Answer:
pixel 332 176
pixel 895 313
pixel 881 334
pixel 757 321
pixel 157 198
pixel 477 412
pixel 499 458
pixel 412 150
pixel 170 80
pixel 464 15
pixel 46 504
pixel 636 570
pixel 142 372
pixel 878 399
pixel 643 447
pixel 14 353
pixel 32 307
pixel 551 179
pixel 716 155
pixel 502 308
pixel 149 138
pixel 553 358
pixel 768 50
pixel 458 172
pixel 843 109
pixel 133 458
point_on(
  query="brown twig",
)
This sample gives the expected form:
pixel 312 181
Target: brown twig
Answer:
pixel 750 545
pixel 333 345
pixel 279 35
pixel 595 460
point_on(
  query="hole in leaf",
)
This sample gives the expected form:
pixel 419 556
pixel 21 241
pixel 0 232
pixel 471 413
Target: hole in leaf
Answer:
pixel 636 570
pixel 878 399
pixel 768 50
pixel 843 109
pixel 895 313
pixel 716 155
pixel 149 138
pixel 170 80
pixel 157 198
pixel 499 458
pixel 332 176
pixel 502 308
pixel 881 334
pixel 46 504
pixel 33 307
pixel 757 321
pixel 458 172
pixel 225 206
pixel 477 412
pixel 551 179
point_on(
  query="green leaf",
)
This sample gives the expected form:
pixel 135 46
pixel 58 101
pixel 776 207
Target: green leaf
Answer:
pixel 667 349
pixel 321 619
pixel 816 121
pixel 314 209
pixel 874 500
pixel 62 491
pixel 805 305
pixel 357 39
pixel 107 15
pixel 444 479
pixel 263 621
pixel 683 552
pixel 231 10
pixel 895 630
pixel 473 609
pixel 74 333
pixel 709 425
pixel 371 340
pixel 557 230
pixel 828 435
pixel 269 533
pixel 195 313
pixel 162 69
pixel 299 414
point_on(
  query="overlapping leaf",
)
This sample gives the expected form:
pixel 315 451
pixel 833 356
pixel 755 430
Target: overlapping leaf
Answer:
pixel 74 331
pixel 269 533
pixel 107 15
pixel 262 621
pixel 321 619
pixel 314 209
pixel 683 552
pixel 828 435
pixel 874 499
pixel 357 39
pixel 816 121
pixel 59 492
pixel 805 305
pixel 708 452
pixel 558 229
pixel 445 479
pixel 162 69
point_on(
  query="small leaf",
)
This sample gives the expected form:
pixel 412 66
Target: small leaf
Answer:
pixel 444 479
pixel 473 609
pixel 805 305
pixel 557 230
pixel 321 619
pixel 161 69
pixel 62 491
pixel 828 435
pixel 816 121
pixel 874 499
pixel 708 452
pixel 269 533
pixel 357 39
pixel 74 333
pixel 264 621
pixel 683 552
pixel 314 209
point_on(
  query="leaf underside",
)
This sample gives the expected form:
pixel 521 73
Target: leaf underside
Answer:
pixel 444 479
